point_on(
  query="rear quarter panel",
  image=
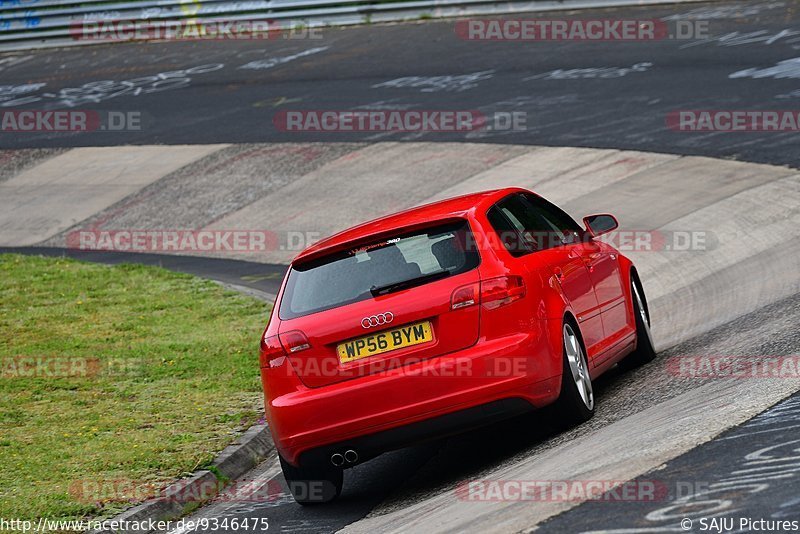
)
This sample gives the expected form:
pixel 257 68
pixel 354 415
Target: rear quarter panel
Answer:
pixel 540 312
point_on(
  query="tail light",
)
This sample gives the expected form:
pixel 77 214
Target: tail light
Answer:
pixel 275 348
pixel 272 353
pixel 491 293
pixel 294 341
pixel 464 296
pixel 500 291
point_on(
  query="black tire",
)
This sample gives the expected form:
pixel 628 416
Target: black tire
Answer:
pixel 574 405
pixel 313 485
pixel 645 352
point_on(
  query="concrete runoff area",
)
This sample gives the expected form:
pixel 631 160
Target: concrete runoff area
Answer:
pixel 50 197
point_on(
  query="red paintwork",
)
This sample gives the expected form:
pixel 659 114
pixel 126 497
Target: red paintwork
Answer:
pixel 346 401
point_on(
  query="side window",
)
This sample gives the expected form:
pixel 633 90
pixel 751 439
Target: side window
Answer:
pixel 565 229
pixel 555 215
pixel 509 233
pixel 526 223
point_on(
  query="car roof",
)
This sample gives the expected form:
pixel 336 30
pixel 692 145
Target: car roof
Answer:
pixel 455 207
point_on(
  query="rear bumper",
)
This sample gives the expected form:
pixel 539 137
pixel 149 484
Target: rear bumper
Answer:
pixel 371 445
pixel 444 395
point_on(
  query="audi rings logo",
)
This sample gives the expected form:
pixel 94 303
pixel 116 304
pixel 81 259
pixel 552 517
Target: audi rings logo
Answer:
pixel 377 320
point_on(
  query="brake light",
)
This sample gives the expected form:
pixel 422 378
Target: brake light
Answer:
pixel 294 341
pixel 272 353
pixel 464 296
pixel 500 291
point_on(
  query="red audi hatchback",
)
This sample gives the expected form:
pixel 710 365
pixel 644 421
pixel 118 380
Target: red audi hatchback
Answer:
pixel 440 319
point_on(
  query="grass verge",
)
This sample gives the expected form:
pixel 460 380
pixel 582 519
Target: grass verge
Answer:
pixel 115 380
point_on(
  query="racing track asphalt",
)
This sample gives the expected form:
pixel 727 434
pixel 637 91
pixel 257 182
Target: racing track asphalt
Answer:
pixel 747 476
pixel 599 94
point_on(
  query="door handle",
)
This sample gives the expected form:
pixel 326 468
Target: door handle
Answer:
pixel 593 259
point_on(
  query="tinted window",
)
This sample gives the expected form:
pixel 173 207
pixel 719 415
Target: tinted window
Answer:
pixel 352 275
pixel 527 223
pixel 509 234
pixel 554 215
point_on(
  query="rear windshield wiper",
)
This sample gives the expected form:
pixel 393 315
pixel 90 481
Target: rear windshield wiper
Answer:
pixel 411 282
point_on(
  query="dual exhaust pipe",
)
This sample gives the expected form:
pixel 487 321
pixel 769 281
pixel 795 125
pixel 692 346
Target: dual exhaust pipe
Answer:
pixel 338 459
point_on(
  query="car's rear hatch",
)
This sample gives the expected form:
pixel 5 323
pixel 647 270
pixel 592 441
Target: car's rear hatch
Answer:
pixel 382 304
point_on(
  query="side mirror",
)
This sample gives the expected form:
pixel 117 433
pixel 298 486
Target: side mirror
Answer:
pixel 598 225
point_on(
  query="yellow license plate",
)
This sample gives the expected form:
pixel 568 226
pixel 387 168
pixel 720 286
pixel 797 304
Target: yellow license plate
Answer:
pixel 388 340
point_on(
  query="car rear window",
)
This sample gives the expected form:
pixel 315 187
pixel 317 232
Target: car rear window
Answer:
pixel 353 275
